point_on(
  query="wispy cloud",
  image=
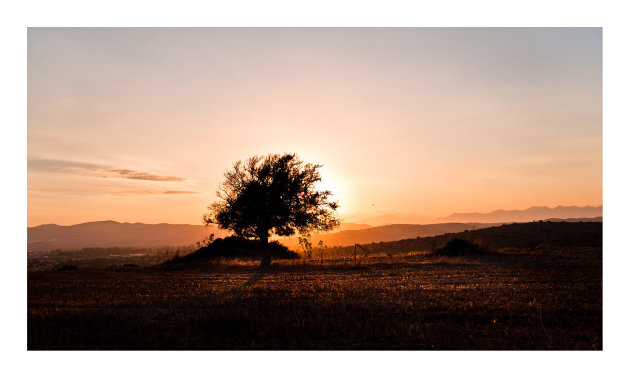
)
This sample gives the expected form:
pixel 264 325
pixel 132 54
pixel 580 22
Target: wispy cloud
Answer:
pixel 152 192
pixel 110 191
pixel 135 175
pixel 52 165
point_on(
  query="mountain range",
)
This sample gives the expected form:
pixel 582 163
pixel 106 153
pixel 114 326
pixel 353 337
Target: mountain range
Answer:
pixel 114 234
pixel 110 233
pixel 531 214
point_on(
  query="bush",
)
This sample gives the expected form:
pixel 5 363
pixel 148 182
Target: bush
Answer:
pixel 460 247
pixel 237 247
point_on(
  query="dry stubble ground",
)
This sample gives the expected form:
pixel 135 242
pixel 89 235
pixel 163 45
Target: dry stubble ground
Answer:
pixel 520 299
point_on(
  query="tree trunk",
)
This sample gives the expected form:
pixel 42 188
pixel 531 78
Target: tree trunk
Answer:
pixel 265 261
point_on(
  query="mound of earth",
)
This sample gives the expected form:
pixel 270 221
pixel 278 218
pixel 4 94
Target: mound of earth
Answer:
pixel 236 247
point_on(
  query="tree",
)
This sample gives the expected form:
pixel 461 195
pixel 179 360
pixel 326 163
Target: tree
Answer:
pixel 272 194
pixel 306 245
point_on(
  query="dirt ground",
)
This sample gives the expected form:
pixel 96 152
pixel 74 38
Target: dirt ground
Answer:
pixel 523 299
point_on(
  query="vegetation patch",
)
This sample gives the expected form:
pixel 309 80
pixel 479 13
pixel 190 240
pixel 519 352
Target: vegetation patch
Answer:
pixel 460 247
pixel 237 247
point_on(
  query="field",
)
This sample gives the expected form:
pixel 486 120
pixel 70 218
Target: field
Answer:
pixel 518 298
pixel 96 258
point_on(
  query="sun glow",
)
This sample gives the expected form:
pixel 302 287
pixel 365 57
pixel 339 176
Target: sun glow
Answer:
pixel 339 186
pixel 417 121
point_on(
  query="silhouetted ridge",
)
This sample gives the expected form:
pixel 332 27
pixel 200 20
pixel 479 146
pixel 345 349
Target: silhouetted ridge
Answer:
pixel 516 235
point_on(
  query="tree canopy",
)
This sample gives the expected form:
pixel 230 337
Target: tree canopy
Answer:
pixel 272 194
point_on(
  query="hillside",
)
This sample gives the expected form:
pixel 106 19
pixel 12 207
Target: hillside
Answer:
pixel 353 226
pixel 385 233
pixel 109 234
pixel 516 235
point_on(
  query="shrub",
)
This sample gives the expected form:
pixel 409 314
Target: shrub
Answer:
pixel 460 247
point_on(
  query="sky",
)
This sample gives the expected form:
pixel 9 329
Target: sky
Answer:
pixel 139 124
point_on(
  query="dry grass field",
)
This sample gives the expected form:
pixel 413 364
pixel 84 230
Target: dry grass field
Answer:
pixel 527 298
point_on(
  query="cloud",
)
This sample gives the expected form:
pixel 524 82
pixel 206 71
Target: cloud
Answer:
pixel 152 192
pixel 112 191
pixel 42 164
pixel 136 175
pixel 52 165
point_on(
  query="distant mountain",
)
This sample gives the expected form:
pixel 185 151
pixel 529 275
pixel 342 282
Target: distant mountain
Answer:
pixel 527 215
pixel 353 226
pixel 385 219
pixel 109 234
pixel 115 234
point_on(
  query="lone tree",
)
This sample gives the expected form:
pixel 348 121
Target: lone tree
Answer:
pixel 273 194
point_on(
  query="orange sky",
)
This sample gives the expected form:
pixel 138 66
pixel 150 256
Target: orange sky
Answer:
pixel 138 125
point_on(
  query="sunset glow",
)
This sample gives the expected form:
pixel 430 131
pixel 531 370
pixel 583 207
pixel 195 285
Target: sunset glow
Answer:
pixel 138 125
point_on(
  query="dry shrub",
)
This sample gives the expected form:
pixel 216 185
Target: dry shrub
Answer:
pixel 461 247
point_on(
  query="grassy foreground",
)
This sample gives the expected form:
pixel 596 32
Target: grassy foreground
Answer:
pixel 519 299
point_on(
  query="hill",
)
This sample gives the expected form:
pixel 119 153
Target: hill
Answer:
pixel 353 226
pixel 386 233
pixel 109 234
pixel 115 234
pixel 516 235
pixel 395 232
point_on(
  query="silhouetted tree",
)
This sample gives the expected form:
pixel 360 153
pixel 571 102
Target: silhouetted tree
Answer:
pixel 273 194
pixel 306 245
